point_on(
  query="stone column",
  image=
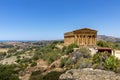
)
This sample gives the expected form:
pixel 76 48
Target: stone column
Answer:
pixel 87 39
pixel 92 40
pixel 84 39
pixel 95 40
pixel 81 39
pixel 76 39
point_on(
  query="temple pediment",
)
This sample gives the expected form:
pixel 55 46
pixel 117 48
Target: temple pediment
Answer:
pixel 84 30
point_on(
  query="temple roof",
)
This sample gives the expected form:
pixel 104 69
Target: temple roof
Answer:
pixel 80 30
pixel 85 29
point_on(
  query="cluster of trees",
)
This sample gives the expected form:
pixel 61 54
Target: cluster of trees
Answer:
pixel 114 45
pixel 49 53
pixel 8 72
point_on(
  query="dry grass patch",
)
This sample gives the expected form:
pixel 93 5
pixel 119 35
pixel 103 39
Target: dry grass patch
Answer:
pixel 3 49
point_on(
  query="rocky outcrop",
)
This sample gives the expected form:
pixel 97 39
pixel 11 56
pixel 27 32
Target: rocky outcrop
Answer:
pixel 89 74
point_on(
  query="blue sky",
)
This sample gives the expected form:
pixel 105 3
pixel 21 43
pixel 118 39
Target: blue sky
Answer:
pixel 49 19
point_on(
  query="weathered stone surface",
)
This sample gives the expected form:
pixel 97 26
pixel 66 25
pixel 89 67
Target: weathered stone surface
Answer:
pixel 89 74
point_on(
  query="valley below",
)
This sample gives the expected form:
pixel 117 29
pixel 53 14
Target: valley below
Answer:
pixel 52 60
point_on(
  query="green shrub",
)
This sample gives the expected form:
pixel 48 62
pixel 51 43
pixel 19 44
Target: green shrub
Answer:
pixel 69 49
pixel 12 50
pixel 8 72
pixel 102 43
pixel 82 63
pixel 52 76
pixel 36 75
pixel 111 63
pixel 63 62
pixel 63 49
pixel 19 53
pixel 105 61
pixel 48 53
pixel 52 56
pixel 33 64
pixel 18 60
pixel 95 65
pixel 18 57
pixel 96 59
pixel 100 57
pixel 67 62
pixel 35 57
pixel 85 52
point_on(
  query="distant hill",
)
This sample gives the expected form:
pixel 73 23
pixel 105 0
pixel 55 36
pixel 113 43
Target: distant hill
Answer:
pixel 108 38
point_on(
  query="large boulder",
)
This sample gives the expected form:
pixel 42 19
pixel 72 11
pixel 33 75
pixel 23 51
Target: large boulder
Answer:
pixel 89 74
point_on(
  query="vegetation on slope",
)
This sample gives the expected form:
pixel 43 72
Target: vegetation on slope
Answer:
pixel 8 72
pixel 105 61
pixel 49 76
pixel 113 45
pixel 79 58
pixel 48 53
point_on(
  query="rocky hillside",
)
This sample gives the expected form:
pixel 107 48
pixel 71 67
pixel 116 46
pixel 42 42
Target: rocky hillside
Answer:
pixel 89 74
pixel 108 38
